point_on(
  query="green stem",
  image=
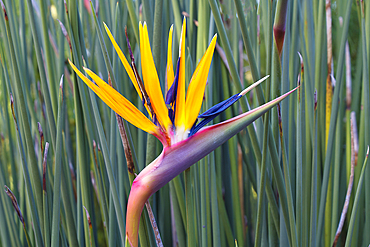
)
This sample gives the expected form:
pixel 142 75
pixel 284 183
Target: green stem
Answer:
pixel 30 197
pixel 58 169
pixel 365 70
pixel 279 24
pixel 157 33
pixel 48 55
pixel 292 223
pixel 44 83
pixel 356 202
pixel 260 204
pixel 35 175
pixel 333 117
pixel 133 17
pixel 246 40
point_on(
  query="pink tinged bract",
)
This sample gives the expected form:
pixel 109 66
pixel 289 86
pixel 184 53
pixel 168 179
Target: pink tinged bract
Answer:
pixel 176 158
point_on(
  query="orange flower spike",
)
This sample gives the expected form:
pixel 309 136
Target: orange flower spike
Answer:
pixel 117 102
pixel 169 70
pixel 151 81
pixel 180 99
pixel 194 95
pixel 124 61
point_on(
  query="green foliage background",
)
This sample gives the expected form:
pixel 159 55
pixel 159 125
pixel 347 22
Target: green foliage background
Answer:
pixel 262 188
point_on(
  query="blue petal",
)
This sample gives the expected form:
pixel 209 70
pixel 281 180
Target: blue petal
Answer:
pixel 220 107
pixel 172 92
pixel 213 112
pixel 171 114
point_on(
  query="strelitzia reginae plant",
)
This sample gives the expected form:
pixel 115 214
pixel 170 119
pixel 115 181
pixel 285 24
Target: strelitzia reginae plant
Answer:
pixel 172 120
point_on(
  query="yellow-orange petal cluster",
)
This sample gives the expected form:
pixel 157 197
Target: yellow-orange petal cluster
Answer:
pixel 187 104
pixel 116 101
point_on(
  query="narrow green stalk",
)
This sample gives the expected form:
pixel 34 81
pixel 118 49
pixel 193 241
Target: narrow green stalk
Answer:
pixel 214 205
pixel 246 40
pixel 313 211
pixel 329 93
pixel 44 84
pixel 180 197
pixel 61 16
pixel 68 199
pixel 47 235
pixel 9 220
pixel 189 209
pixel 191 33
pixel 203 204
pixel 18 211
pixel 356 202
pixel 80 105
pixel 261 195
pixel 366 112
pixel 147 10
pixel 29 191
pixel 307 140
pixel 58 168
pixel 202 38
pixel 292 222
pixel 320 56
pixel 177 15
pixel 215 217
pixel 112 229
pixel 48 55
pixel 27 236
pixel 127 149
pixel 224 217
pixel 157 33
pixel 103 202
pixel 14 239
pixel 4 232
pixel 29 142
pixel 16 30
pixel 338 164
pixel 90 231
pixel 274 63
pixel 112 234
pixel 133 17
pixel 299 151
pixel 175 212
pixel 279 24
pixel 273 236
pixel 266 133
pixel 333 118
pixel 237 213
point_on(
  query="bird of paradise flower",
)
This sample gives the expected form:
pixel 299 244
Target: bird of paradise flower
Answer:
pixel 172 121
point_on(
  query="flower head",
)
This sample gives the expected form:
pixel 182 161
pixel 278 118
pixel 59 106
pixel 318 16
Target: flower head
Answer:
pixel 172 120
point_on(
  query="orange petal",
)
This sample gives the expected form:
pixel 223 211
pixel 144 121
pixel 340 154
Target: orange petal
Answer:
pixel 169 71
pixel 151 80
pixel 194 96
pixel 123 60
pixel 180 98
pixel 117 102
pixel 127 66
